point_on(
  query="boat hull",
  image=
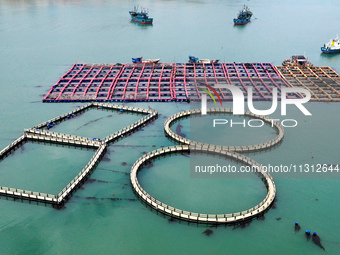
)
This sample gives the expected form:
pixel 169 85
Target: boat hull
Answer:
pixel 151 61
pixel 329 51
pixel 241 21
pixel 146 61
pixel 140 17
pixel 142 21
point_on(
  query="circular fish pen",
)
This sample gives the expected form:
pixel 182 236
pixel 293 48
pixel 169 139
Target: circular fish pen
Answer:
pixel 245 148
pixel 225 151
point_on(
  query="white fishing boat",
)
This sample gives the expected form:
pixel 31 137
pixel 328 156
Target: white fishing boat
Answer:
pixel 333 46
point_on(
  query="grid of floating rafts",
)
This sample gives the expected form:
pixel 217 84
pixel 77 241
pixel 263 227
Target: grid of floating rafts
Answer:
pixel 163 82
pixel 322 82
pixel 42 133
pixel 262 77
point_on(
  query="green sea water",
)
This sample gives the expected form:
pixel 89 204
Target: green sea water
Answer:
pixel 40 40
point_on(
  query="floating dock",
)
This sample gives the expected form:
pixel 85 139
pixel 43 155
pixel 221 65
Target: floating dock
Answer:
pixel 181 81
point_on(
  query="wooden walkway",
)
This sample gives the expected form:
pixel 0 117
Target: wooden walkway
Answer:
pixel 246 148
pixel 44 129
pixel 42 133
pixel 225 151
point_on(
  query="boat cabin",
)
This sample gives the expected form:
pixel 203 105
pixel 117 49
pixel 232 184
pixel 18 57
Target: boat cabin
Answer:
pixel 299 60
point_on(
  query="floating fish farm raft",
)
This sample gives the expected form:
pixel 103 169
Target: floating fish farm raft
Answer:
pixel 322 82
pixel 181 81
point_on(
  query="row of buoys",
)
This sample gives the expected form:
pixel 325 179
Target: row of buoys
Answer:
pixel 315 238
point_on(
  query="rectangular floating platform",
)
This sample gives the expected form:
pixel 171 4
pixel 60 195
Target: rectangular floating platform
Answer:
pixel 181 82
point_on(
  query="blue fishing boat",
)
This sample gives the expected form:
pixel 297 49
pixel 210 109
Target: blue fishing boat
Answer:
pixel 244 16
pixel 140 16
pixel 193 59
pixel 333 46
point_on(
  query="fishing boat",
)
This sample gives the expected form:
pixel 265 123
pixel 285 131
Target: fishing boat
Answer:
pixel 297 60
pixel 140 16
pixel 208 61
pixel 193 59
pixel 146 61
pixel 333 46
pixel 244 16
